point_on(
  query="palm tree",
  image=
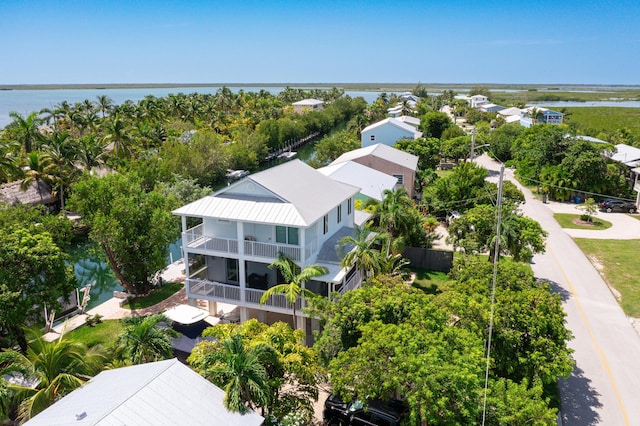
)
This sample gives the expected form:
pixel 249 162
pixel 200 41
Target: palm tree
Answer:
pixel 143 340
pixel 61 150
pixel 393 214
pixel 39 168
pixel 105 104
pixel 47 371
pixel 7 162
pixel 91 152
pixel 27 128
pixel 294 288
pixel 117 132
pixel 364 254
pixel 240 370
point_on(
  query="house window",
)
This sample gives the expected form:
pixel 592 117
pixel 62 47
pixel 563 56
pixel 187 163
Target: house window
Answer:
pixel 285 235
pixel 232 270
pixel 339 213
pixel 325 224
pixel 349 206
pixel 400 179
pixel 372 137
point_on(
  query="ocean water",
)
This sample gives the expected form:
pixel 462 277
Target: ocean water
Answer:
pixel 26 101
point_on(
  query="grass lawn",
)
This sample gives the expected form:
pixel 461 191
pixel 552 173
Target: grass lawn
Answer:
pixel 156 296
pixel 566 221
pixel 619 260
pixel 106 333
pixel 431 282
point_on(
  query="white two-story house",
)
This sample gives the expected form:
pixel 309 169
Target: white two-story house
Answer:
pixel 230 237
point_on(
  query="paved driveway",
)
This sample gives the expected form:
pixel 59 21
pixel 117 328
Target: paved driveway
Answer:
pixel 604 388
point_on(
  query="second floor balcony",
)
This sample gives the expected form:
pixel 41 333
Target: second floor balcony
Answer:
pixel 196 239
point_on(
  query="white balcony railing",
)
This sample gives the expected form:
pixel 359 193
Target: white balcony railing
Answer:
pixel 253 296
pixel 258 249
pixel 214 289
pixel 196 240
pixel 354 282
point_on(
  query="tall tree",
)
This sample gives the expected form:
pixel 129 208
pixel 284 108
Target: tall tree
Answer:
pixel 364 252
pixel 47 372
pixel 105 104
pixel 294 278
pixel 26 130
pixel 61 150
pixel 135 228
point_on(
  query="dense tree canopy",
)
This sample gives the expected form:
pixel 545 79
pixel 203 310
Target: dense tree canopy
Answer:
pixel 133 227
pixel 33 272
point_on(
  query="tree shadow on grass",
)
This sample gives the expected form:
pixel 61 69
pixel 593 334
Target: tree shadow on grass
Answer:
pixel 579 400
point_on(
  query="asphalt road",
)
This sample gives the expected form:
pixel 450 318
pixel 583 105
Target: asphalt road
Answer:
pixel 604 388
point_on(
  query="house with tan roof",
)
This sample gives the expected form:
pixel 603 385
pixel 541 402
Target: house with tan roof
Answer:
pixel 388 132
pixel 385 159
pixel 230 237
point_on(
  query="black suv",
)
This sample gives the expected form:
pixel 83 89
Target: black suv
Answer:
pixel 610 204
pixel 375 413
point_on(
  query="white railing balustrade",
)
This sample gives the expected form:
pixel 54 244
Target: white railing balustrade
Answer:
pixel 258 249
pixel 277 300
pixel 354 282
pixel 214 289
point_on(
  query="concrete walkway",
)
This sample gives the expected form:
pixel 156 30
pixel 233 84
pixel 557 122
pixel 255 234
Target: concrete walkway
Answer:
pixel 603 387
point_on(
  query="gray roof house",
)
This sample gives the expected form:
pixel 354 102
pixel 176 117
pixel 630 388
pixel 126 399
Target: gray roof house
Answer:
pixel 291 209
pixel 12 194
pixel 155 394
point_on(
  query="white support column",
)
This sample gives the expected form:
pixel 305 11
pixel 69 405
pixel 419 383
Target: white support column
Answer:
pixel 213 307
pixel 244 314
pixel 262 316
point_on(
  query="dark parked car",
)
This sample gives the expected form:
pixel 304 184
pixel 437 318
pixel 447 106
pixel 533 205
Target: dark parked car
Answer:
pixel 610 205
pixel 375 413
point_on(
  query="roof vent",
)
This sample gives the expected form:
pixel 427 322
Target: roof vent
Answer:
pixel 81 415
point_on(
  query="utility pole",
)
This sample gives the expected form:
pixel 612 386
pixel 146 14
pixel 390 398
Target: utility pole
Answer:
pixel 496 256
pixel 473 144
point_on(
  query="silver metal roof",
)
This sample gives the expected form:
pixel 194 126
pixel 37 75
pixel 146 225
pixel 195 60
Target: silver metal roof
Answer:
pixel 372 182
pixel 159 393
pixel 300 196
pixel 382 151
pixel 626 154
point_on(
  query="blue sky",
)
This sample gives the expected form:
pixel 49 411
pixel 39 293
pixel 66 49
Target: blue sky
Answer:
pixel 570 42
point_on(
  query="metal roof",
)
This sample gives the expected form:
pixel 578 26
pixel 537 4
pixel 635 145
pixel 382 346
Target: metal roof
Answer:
pixel 407 119
pixel 393 122
pixel 382 151
pixel 626 154
pixel 158 393
pixel 299 196
pixel 308 102
pixel 372 183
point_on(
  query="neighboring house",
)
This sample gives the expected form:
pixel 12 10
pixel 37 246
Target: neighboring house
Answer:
pixel 412 121
pixel 488 107
pixel 476 100
pixel 511 115
pixel 591 139
pixel 158 393
pixel 306 105
pixel 543 116
pixel 391 161
pixel 395 111
pixel 12 194
pixel 626 154
pixel 388 132
pixel 291 209
pixel 408 96
pixel 372 183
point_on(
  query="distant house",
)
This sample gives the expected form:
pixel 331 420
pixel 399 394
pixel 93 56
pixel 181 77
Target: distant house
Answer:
pixel 154 394
pixel 291 209
pixel 371 182
pixel 626 154
pixel 476 100
pixel 542 116
pixel 391 161
pixel 510 115
pixel 307 105
pixel 40 193
pixel 489 107
pixel 388 132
